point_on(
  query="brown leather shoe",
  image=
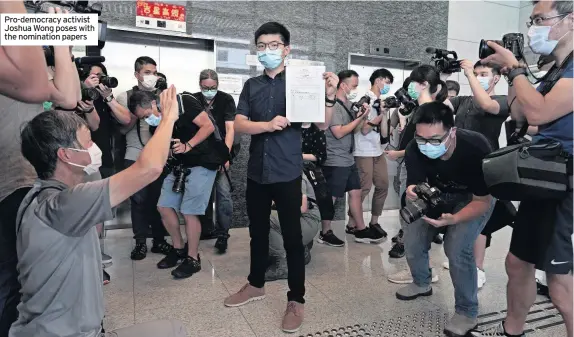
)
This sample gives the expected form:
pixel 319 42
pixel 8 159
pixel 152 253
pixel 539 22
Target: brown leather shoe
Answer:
pixel 248 293
pixel 293 318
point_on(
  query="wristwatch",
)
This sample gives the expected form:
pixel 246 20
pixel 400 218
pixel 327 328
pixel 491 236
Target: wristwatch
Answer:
pixel 513 73
pixel 109 98
pixel 330 101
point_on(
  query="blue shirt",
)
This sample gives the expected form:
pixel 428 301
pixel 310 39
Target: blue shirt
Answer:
pixel 561 129
pixel 273 156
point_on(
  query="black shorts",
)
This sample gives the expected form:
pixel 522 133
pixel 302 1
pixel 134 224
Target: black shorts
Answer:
pixel 542 235
pixel 342 179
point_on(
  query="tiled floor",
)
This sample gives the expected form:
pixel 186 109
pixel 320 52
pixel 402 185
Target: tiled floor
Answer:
pixel 345 286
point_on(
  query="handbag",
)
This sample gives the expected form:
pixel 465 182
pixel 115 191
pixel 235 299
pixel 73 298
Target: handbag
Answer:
pixel 530 171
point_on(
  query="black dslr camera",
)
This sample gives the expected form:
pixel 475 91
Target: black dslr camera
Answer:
pixel 511 41
pixel 445 61
pixel 180 172
pixel 357 106
pixel 428 203
pixel 161 84
pixel 408 103
pixel 392 102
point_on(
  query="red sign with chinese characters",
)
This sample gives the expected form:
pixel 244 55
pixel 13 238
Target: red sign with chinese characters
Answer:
pixel 159 10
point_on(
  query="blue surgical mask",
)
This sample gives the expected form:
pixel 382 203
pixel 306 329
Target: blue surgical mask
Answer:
pixel 153 120
pixel 412 91
pixel 385 89
pixel 270 59
pixel 209 94
pixel 484 82
pixel 433 151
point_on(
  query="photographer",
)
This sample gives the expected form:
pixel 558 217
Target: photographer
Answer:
pixel 368 152
pixel 18 175
pixel 450 159
pixel 58 251
pixel 453 88
pixel 423 85
pixel 542 235
pixel 340 169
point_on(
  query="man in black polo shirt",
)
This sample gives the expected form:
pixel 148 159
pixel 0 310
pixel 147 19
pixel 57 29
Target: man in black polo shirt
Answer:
pixel 274 170
pixel 222 107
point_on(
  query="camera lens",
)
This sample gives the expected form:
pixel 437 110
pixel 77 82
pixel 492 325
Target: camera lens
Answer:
pixel 484 50
pixel 90 94
pixel 110 82
pixel 413 210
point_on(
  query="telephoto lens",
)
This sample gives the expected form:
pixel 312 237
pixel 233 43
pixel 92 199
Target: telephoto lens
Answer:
pixel 90 94
pixel 108 81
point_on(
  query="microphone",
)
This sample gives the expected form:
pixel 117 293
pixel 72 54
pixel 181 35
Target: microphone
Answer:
pixel 431 50
pixel 89 60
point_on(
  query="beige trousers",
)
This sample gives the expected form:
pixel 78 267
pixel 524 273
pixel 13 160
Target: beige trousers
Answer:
pixel 373 171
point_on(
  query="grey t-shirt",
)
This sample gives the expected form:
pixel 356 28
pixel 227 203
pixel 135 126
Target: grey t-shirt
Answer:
pixel 307 189
pixel 59 260
pixel 134 145
pixel 339 151
pixel 17 172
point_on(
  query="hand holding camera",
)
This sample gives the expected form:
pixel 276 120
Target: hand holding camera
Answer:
pixel 85 106
pixel 92 81
pixel 178 147
pixel 468 67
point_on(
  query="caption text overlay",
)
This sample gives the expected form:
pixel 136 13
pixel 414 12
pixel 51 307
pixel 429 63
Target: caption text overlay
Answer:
pixel 39 29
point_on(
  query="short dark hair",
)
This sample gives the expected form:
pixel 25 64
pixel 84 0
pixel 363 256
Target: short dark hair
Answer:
pixel 343 75
pixel 433 113
pixel 142 61
pixel 45 134
pixel 495 69
pixel 142 99
pixel 562 7
pixel 274 28
pixel 381 73
pixel 453 85
pixel 428 73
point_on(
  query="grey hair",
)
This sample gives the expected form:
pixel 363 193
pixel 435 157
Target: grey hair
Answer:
pixel 142 99
pixel 208 74
pixel 45 134
pixel 562 7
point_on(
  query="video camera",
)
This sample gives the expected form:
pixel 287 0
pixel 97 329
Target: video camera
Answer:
pixel 356 107
pixel 445 61
pixel 80 7
pixel 428 203
pixel 511 41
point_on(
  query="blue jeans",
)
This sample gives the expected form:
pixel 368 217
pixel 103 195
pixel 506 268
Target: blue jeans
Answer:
pixel 458 246
pixel 223 203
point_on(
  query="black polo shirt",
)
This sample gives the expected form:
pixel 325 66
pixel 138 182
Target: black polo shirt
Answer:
pixel 273 156
pixel 222 108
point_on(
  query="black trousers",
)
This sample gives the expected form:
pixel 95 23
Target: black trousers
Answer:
pixel 144 213
pixel 287 197
pixel 9 285
pixel 323 196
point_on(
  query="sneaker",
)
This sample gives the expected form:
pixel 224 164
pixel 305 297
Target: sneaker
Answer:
pixel 293 318
pixel 161 247
pixel 187 268
pixel 412 291
pixel 221 243
pixel 330 239
pixel 106 259
pixel 446 265
pixel 492 331
pixel 246 294
pixel 139 252
pixel 437 239
pixel 481 278
pixel 173 258
pixel 398 237
pixel 368 235
pixel 350 230
pixel 405 277
pixel 397 251
pixel 459 325
pixel 378 228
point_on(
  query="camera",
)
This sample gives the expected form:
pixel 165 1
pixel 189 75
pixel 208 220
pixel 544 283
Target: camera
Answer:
pixel 108 81
pixel 511 41
pixel 445 61
pixel 180 173
pixel 392 102
pixel 408 103
pixel 428 203
pixel 356 107
pixel 89 94
pixel 161 84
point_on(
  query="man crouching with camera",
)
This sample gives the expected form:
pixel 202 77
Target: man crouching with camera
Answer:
pixel 59 257
pixel 446 190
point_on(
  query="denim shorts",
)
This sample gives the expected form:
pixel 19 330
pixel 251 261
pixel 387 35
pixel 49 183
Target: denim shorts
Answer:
pixel 194 199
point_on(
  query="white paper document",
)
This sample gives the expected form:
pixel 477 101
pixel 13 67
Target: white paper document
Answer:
pixel 305 93
pixel 231 84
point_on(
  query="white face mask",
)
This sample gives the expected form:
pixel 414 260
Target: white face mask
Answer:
pixel 149 82
pixel 95 157
pixel 539 41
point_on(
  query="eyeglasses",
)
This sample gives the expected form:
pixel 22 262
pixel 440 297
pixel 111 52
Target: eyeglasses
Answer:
pixel 271 45
pixel 208 88
pixel 433 141
pixel 537 21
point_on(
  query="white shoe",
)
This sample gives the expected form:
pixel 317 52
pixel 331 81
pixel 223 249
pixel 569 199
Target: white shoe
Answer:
pixel 445 265
pixel 481 278
pixel 405 277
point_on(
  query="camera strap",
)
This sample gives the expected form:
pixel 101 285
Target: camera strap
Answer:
pixel 549 80
pixel 352 119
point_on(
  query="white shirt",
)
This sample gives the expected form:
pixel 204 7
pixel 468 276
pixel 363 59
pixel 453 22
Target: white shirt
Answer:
pixel 369 145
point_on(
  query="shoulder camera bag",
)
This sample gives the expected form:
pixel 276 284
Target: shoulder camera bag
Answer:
pixel 530 171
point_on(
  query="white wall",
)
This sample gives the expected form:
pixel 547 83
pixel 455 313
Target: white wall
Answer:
pixel 471 21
